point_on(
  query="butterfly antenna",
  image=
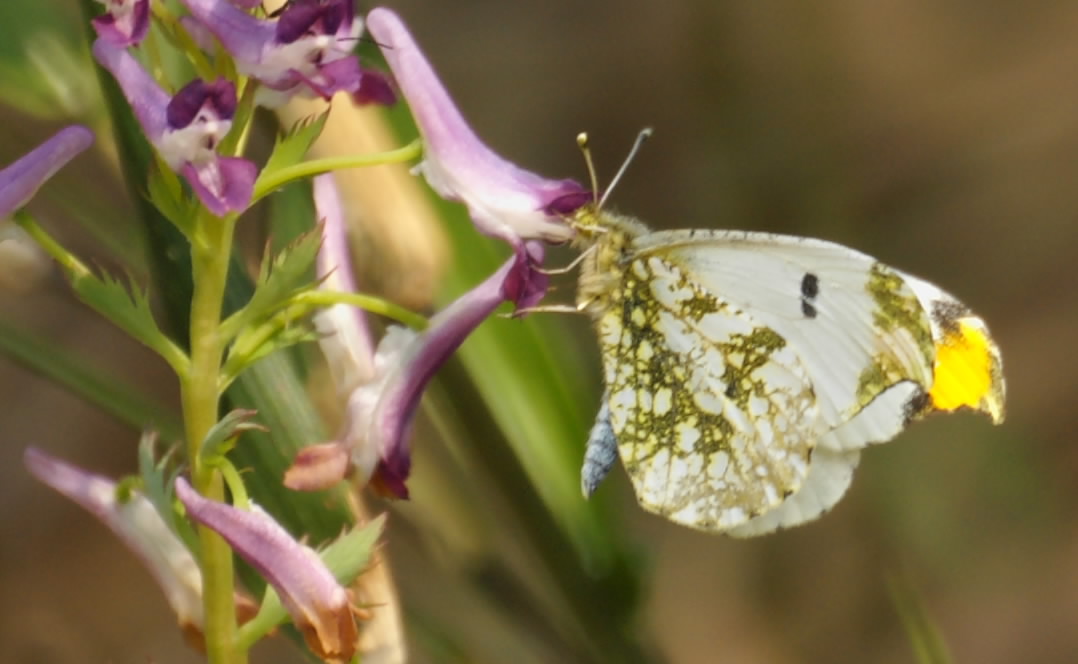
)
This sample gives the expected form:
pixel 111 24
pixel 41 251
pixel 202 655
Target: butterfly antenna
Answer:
pixel 643 136
pixel 582 143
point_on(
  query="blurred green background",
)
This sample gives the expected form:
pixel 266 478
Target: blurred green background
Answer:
pixel 940 137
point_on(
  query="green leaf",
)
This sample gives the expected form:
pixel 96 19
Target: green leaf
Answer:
pixel 928 645
pixel 222 437
pixel 291 148
pixel 255 344
pixel 152 472
pixel 129 309
pixel 351 553
pixel 157 486
pixel 166 193
pixel 281 277
pixel 267 323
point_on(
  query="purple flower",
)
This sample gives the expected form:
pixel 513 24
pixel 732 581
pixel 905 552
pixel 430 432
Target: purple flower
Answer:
pixel 186 129
pixel 388 423
pixel 318 604
pixel 21 180
pixel 308 47
pixel 382 388
pixel 349 350
pixel 137 523
pixel 125 23
pixel 503 200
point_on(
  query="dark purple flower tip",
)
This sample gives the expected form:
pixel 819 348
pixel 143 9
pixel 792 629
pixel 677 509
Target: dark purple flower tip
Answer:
pixel 388 480
pixel 224 184
pixel 343 74
pixel 574 198
pixel 21 179
pixel 202 101
pixel 318 604
pixel 503 200
pixel 374 88
pixel 525 284
pixel 126 22
pixel 313 17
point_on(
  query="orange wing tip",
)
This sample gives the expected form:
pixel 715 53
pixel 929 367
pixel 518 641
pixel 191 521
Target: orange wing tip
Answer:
pixel 968 371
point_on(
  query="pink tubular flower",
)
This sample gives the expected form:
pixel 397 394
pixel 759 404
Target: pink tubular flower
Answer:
pixel 418 360
pixel 186 129
pixel 20 180
pixel 125 22
pixel 308 47
pixel 318 604
pixel 136 522
pixel 504 201
pixel 349 350
pixel 383 388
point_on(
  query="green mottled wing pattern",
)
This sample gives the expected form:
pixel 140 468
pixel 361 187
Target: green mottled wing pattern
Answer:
pixel 745 371
pixel 713 413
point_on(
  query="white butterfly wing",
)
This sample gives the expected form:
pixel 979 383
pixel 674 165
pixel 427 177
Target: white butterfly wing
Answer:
pixel 857 327
pixel 745 371
pixel 713 412
pixel 828 478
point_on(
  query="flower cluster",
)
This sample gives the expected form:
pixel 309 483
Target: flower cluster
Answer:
pixel 307 48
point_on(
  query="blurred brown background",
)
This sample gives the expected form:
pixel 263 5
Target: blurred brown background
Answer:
pixel 941 137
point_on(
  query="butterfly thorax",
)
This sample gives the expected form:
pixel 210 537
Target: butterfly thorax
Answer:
pixel 608 238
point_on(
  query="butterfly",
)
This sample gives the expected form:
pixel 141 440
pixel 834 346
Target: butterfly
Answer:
pixel 746 371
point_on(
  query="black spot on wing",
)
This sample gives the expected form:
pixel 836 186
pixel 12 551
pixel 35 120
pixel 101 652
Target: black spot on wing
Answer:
pixel 810 288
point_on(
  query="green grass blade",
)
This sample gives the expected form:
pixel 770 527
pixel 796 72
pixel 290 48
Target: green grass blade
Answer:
pixel 126 403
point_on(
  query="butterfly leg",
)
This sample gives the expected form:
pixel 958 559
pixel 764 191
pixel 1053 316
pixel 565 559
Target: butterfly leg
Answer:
pixel 571 266
pixel 601 451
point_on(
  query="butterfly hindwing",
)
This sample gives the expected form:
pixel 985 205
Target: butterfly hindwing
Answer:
pixel 712 412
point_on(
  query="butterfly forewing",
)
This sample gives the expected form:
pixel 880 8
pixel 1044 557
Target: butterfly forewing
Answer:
pixel 855 324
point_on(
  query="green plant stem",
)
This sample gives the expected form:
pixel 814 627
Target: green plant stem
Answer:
pixel 375 305
pixel 54 249
pixel 211 250
pixel 269 182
